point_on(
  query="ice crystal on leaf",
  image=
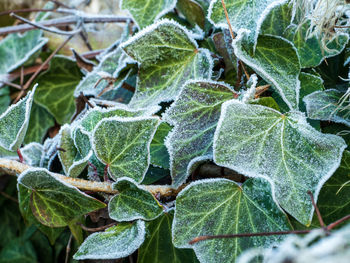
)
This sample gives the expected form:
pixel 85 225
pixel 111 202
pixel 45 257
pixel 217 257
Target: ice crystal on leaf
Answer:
pixel 283 148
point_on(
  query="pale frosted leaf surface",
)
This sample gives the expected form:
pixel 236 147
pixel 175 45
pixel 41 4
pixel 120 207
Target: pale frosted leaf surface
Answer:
pixel 66 142
pixel 145 12
pixel 49 151
pixel 328 106
pixel 158 246
pixel 276 61
pixel 194 116
pixel 168 57
pixel 32 153
pixel 56 87
pixel 53 202
pixel 14 123
pixel 133 202
pixel 40 121
pixel 284 149
pixel 5 99
pixel 277 21
pixel 159 152
pixel 124 145
pixel 310 50
pixel 220 206
pixel 245 14
pixel 81 140
pixel 115 242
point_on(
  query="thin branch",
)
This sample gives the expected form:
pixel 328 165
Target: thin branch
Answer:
pixel 8 197
pixel 65 21
pixel 228 19
pixel 29 82
pixel 96 229
pixel 316 209
pixel 13 85
pixel 86 100
pixel 52 30
pixel 13 167
pixel 336 223
pixel 68 248
pixel 201 238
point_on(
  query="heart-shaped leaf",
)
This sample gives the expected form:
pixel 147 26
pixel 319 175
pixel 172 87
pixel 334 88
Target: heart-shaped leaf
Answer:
pixel 132 202
pixel 283 148
pixel 168 57
pixel 116 242
pixel 219 207
pixel 194 116
pixel 53 202
pixel 14 123
pixel 124 145
pixel 276 60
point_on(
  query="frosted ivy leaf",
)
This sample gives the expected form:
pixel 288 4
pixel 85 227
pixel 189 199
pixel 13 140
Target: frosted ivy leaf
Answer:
pixel 132 202
pixel 168 57
pixel 124 145
pixel 53 202
pixel 194 116
pixel 14 123
pixel 110 66
pixel 277 21
pixel 308 84
pixel 283 148
pixel 81 140
pixel 221 206
pixel 245 14
pixel 72 162
pixel 276 61
pixel 115 242
pixel 145 12
pixel 49 151
pixel 159 152
pixel 328 105
pixel 32 153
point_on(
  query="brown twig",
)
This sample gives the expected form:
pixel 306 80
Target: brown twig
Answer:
pixel 68 248
pixel 320 219
pixel 65 21
pixel 13 167
pixel 338 222
pixel 13 85
pixel 96 229
pixel 9 197
pixel 39 26
pixel 86 100
pixel 29 82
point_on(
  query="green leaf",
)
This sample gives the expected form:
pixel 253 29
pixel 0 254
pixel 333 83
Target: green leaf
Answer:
pixel 116 242
pixel 169 57
pixel 14 123
pixel 133 202
pixel 193 12
pixel 283 148
pixel 308 84
pixel 145 12
pixel 334 201
pixel 56 88
pixel 24 194
pixel 18 251
pixel 276 61
pixel 310 50
pixel 154 174
pixel 159 153
pixel 277 21
pixel 158 246
pixel 267 102
pixel 124 145
pixel 246 14
pixel 53 202
pixel 40 121
pixel 194 116
pixel 328 105
pixel 72 162
pixel 5 99
pixel 32 154
pixel 221 206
